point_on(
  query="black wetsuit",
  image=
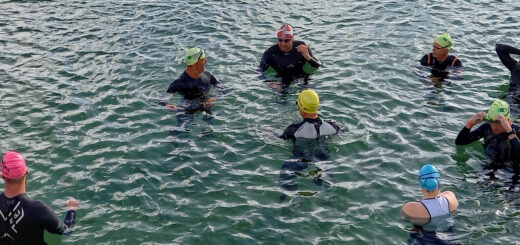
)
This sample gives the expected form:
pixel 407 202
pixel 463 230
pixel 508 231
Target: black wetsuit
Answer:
pixel 194 91
pixel 23 220
pixel 308 137
pixel 290 65
pixel 504 53
pixel 451 61
pixel 498 147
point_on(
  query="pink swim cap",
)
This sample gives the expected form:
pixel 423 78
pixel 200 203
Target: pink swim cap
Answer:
pixel 285 31
pixel 13 165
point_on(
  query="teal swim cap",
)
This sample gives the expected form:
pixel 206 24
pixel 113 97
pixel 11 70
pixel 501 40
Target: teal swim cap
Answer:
pixel 429 177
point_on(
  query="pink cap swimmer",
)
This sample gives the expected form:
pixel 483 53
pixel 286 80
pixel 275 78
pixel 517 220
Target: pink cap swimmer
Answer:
pixel 13 165
pixel 285 31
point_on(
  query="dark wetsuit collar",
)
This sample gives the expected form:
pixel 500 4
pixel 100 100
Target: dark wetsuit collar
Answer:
pixel 312 120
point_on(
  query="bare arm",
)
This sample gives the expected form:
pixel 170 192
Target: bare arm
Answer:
pixel 452 200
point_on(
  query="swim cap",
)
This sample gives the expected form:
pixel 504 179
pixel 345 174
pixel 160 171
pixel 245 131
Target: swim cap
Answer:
pixel 285 31
pixel 13 165
pixel 193 55
pixel 444 40
pixel 308 101
pixel 498 107
pixel 429 177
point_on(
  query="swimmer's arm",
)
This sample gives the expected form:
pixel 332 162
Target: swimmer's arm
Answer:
pixel 163 99
pixel 515 143
pixel 334 124
pixel 164 102
pixel 265 63
pixel 458 63
pixel 221 88
pixel 312 64
pixel 452 200
pixel 415 212
pixel 466 137
pixel 424 60
pixel 288 133
pixel 53 224
pixel 504 53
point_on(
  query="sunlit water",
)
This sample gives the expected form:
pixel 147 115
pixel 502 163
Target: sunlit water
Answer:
pixel 78 97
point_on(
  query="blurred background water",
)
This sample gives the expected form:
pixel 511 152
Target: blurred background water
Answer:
pixel 78 98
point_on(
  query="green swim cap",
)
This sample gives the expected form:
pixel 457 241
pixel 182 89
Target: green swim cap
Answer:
pixel 444 40
pixel 499 107
pixel 193 55
pixel 308 101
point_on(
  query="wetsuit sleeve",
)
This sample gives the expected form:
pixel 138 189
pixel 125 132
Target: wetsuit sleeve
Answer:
pixel 264 63
pixel 53 224
pixel 515 143
pixel 215 82
pixel 311 65
pixel 504 53
pixel 288 133
pixel 172 88
pixel 466 137
pixel 424 60
pixel 334 124
pixel 265 68
pixel 457 63
pixel 163 100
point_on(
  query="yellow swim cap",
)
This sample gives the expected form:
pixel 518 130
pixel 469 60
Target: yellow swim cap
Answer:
pixel 308 101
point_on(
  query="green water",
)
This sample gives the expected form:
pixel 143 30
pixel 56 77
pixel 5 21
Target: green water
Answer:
pixel 78 98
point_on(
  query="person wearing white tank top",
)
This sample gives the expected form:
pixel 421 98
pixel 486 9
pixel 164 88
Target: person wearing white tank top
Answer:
pixel 434 203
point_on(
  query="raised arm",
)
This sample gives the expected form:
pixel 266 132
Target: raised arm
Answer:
pixel 465 136
pixel 504 53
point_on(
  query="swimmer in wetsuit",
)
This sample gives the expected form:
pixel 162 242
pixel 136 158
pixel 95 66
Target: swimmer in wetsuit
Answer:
pixel 513 96
pixel 308 137
pixel 288 59
pixel 194 84
pixel 23 219
pixel 501 143
pixel 439 60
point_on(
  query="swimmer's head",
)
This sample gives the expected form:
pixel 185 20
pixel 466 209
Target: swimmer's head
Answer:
pixel 308 101
pixel 13 165
pixel 429 177
pixel 285 38
pixel 444 40
pixel 193 55
pixel 498 107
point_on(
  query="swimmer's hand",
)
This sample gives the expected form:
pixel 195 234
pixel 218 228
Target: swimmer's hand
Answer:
pixel 476 119
pixel 171 106
pixel 304 50
pixel 504 123
pixel 72 204
pixel 209 102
